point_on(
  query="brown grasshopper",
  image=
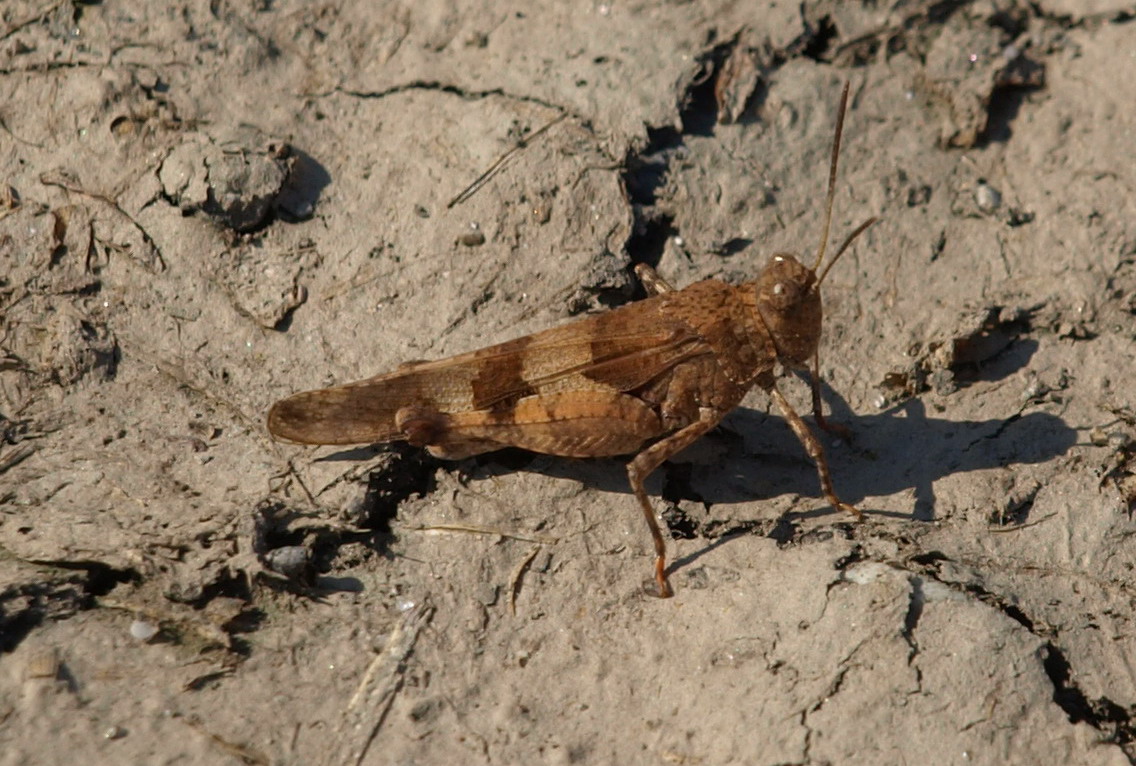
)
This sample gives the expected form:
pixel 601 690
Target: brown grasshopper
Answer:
pixel 667 368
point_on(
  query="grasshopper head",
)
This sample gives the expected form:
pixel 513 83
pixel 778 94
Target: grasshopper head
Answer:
pixel 788 301
pixel 788 292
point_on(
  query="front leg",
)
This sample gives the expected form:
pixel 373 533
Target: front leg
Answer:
pixel 646 462
pixel 816 452
pixel 824 423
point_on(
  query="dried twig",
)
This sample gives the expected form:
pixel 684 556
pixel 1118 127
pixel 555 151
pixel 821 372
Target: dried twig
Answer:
pixel 372 700
pixel 515 580
pixel 470 529
pixel 15 456
pixel 500 162
pixel 244 753
pixel 1019 527
pixel 33 18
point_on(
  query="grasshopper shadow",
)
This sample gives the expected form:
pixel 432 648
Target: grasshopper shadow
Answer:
pixel 904 449
pixel 754 456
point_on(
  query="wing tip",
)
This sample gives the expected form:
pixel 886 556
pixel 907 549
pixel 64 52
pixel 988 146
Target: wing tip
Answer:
pixel 307 418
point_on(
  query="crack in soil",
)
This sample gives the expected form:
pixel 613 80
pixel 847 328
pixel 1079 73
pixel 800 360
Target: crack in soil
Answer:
pixel 456 90
pixel 1104 715
pixel 1117 722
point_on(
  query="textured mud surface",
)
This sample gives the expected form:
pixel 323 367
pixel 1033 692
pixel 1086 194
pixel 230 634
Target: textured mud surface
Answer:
pixel 206 206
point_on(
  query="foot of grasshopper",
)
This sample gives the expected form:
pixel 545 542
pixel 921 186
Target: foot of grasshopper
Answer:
pixel 651 281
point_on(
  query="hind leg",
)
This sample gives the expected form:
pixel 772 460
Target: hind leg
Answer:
pixel 426 427
pixel 646 462
pixel 569 424
pixel 589 423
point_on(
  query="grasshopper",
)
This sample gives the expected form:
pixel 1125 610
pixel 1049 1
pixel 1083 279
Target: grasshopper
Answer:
pixel 664 371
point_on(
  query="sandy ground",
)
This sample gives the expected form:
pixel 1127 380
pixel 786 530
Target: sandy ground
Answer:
pixel 207 206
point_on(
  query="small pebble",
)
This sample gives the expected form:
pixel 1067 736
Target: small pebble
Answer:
pixel 292 561
pixel 143 630
pixel 474 237
pixel 487 594
pixel 987 197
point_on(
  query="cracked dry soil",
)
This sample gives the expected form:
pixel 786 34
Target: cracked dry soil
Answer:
pixel 206 206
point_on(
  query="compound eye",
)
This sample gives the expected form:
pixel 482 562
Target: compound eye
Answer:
pixel 784 294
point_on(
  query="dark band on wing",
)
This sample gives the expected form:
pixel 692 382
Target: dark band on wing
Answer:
pixel 504 372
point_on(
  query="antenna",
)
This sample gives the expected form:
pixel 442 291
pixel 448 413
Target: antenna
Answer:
pixel 851 237
pixel 832 176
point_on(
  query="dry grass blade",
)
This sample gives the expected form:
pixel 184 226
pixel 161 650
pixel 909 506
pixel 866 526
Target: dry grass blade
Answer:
pixel 490 531
pixel 372 700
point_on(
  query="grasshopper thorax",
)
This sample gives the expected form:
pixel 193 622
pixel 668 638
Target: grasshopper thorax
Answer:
pixel 788 305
